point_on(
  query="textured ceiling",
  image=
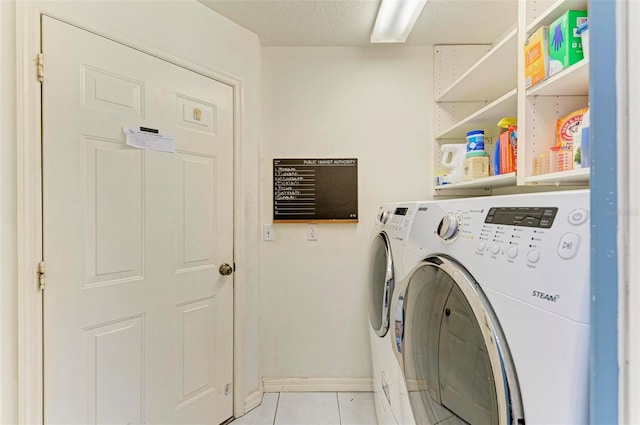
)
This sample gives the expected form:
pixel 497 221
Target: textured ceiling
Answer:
pixel 349 22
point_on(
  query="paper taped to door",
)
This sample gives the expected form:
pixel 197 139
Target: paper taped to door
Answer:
pixel 143 138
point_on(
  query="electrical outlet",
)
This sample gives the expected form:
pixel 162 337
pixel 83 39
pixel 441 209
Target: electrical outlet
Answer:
pixel 267 232
pixel 312 232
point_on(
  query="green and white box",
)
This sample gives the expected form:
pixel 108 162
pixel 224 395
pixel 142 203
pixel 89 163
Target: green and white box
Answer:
pixel 565 45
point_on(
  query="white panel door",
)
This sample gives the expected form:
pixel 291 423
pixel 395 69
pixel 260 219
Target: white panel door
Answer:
pixel 137 318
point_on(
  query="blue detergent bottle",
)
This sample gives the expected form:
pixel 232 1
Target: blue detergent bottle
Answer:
pixel 496 158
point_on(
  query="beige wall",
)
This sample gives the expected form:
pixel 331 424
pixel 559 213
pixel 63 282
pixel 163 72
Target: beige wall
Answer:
pixel 189 31
pixel 374 104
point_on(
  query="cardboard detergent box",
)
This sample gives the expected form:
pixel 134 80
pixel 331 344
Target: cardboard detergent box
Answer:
pixel 565 45
pixel 536 57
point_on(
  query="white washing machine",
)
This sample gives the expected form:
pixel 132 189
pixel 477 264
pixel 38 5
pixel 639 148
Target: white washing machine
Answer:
pixel 495 310
pixel 385 268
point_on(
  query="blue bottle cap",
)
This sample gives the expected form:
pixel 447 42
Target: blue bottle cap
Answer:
pixel 474 132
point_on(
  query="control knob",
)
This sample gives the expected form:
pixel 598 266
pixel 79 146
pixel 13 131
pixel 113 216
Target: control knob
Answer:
pixel 448 227
pixel 384 216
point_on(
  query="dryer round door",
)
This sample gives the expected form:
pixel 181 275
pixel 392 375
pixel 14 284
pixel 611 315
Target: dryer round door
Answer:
pixel 380 284
pixel 456 361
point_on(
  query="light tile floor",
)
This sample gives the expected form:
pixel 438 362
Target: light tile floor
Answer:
pixel 312 409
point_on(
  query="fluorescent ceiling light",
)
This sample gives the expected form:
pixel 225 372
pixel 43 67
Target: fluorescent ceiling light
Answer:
pixel 395 20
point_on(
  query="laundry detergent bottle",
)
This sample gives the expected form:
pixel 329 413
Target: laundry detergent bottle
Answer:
pixel 453 159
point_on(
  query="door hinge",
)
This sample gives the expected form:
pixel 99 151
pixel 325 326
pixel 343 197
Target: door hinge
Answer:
pixel 40 67
pixel 41 274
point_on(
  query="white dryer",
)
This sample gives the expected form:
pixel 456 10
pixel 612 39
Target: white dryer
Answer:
pixel 495 310
pixel 386 267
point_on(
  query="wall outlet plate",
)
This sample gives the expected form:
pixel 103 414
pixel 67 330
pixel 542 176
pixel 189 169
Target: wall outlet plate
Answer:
pixel 267 232
pixel 312 232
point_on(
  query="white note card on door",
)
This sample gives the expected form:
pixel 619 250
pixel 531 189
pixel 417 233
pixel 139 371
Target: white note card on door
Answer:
pixel 149 138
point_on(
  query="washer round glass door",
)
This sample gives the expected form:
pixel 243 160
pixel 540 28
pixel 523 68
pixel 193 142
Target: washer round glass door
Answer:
pixel 380 284
pixel 456 362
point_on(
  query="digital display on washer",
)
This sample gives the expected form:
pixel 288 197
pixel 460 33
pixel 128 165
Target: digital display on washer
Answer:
pixel 401 211
pixel 522 216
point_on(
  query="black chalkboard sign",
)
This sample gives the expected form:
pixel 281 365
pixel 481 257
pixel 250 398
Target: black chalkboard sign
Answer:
pixel 314 190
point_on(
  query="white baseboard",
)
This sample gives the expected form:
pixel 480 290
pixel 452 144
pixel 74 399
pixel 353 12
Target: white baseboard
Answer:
pixel 275 385
pixel 252 401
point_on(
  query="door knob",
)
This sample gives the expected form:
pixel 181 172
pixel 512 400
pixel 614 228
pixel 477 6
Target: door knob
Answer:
pixel 225 269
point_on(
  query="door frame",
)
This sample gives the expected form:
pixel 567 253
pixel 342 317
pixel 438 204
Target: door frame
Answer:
pixel 29 198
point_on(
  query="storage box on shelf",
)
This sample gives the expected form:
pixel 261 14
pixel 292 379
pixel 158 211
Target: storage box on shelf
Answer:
pixel 565 44
pixel 543 12
pixel 475 86
pixel 540 106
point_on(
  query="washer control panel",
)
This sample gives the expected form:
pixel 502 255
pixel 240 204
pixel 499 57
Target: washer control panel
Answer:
pixel 522 216
pixel 508 232
pixel 532 247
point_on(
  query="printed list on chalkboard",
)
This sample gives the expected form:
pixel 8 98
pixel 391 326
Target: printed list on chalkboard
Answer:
pixel 312 190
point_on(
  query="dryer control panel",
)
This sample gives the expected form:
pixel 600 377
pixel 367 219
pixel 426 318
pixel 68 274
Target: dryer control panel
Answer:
pixel 396 219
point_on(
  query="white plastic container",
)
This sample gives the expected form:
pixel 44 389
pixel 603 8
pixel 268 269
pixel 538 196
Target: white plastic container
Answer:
pixel 452 158
pixel 583 31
